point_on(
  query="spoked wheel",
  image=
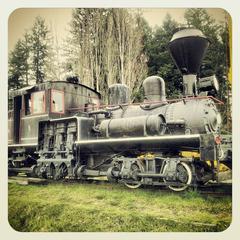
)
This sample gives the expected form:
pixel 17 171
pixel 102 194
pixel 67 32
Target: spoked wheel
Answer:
pixel 184 173
pixel 136 168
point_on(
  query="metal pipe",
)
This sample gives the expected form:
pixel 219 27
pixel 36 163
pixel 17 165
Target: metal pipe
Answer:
pixel 156 143
pixel 20 145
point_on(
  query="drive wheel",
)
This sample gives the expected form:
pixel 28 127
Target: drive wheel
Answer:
pixel 184 173
pixel 136 168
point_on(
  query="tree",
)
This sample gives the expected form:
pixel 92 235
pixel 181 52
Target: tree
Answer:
pixel 217 59
pixel 39 49
pixel 33 56
pixel 160 62
pixel 54 66
pixel 106 47
pixel 19 65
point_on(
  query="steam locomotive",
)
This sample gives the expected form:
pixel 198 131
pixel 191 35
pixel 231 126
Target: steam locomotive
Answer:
pixel 60 130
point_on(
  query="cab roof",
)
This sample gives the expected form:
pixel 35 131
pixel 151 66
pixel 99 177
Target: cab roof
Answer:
pixel 44 86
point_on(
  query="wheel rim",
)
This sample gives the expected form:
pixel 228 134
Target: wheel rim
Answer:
pixel 132 185
pixel 135 185
pixel 186 176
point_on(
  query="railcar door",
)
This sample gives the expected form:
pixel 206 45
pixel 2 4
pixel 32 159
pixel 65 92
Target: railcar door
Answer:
pixel 17 118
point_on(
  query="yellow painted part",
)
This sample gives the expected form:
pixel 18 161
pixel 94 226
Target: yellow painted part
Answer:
pixel 147 155
pixel 222 167
pixel 188 154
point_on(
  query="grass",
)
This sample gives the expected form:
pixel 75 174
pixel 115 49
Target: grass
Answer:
pixel 113 208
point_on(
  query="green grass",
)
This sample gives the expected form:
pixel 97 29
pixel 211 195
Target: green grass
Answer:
pixel 113 208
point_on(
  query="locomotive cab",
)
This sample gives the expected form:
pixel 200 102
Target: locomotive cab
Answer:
pixel 44 101
pixel 49 100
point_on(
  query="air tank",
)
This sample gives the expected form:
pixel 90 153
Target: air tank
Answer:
pixel 187 48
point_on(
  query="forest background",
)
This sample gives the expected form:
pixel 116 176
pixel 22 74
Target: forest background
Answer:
pixel 107 46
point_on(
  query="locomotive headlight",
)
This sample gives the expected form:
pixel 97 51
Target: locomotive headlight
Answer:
pixel 208 84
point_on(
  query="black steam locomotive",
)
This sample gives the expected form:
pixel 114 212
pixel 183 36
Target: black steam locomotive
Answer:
pixel 59 129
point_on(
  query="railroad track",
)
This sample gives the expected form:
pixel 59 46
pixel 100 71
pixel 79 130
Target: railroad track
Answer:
pixel 211 189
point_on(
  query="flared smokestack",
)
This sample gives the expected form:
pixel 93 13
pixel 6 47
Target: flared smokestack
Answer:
pixel 187 48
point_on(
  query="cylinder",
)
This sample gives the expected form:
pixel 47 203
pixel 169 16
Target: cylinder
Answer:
pixel 142 126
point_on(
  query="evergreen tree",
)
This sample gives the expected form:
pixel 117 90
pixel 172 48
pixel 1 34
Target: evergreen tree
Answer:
pixel 160 62
pixel 216 60
pixel 54 66
pixel 18 64
pixel 39 49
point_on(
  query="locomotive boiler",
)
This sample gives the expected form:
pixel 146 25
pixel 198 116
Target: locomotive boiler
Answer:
pixel 174 143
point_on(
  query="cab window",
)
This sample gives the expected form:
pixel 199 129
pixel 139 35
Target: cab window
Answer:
pixel 57 101
pixel 38 102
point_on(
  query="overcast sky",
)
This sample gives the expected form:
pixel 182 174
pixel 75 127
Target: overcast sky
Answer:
pixel 58 18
